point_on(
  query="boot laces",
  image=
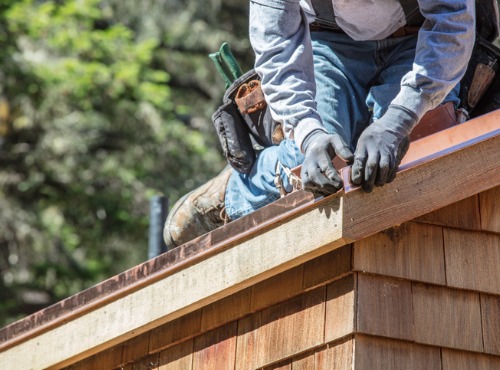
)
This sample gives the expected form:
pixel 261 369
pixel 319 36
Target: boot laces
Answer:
pixel 217 214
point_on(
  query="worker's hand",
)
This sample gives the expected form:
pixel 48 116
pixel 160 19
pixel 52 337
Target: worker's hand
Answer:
pixel 381 147
pixel 318 174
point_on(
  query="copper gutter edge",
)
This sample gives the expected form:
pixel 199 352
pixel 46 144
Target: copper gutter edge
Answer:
pixel 419 153
pixel 149 279
pixel 422 151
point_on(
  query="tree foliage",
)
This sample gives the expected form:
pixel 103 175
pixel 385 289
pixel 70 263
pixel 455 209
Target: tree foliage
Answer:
pixel 102 105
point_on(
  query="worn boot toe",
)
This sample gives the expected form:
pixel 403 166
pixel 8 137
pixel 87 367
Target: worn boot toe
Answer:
pixel 198 212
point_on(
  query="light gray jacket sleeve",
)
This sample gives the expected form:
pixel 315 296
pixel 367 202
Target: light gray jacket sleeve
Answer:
pixel 280 38
pixel 444 47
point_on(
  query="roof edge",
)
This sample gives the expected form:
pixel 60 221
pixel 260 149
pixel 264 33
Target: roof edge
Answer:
pixel 464 148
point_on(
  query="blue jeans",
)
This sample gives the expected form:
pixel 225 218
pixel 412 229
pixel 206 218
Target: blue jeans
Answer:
pixel 355 81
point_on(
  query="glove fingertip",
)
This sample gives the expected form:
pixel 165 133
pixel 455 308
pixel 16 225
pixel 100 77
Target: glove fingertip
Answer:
pixel 342 149
pixel 355 175
pixel 346 156
pixel 367 187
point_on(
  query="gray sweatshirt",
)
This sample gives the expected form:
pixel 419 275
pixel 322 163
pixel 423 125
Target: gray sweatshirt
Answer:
pixel 280 38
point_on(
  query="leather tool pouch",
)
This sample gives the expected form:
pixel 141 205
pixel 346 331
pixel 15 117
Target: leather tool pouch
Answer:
pixel 244 123
pixel 483 67
pixel 482 72
pixel 442 117
pixel 234 137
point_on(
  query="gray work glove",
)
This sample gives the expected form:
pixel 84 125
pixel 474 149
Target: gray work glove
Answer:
pixel 318 174
pixel 381 147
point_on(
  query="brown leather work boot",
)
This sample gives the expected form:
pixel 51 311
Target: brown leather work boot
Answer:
pixel 198 212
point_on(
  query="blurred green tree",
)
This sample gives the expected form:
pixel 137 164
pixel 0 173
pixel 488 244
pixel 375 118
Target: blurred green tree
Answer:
pixel 102 105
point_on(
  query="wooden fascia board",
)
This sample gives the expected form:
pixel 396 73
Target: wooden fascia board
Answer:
pixel 256 259
pixel 430 177
pixel 423 189
pixel 471 166
pixel 235 232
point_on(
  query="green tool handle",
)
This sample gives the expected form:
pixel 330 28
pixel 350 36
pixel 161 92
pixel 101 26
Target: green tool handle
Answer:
pixel 230 61
pixel 226 64
pixel 221 68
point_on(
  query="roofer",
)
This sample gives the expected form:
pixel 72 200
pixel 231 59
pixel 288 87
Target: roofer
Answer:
pixel 345 78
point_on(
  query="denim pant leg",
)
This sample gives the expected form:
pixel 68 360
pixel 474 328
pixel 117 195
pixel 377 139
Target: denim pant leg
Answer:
pixel 247 193
pixel 395 58
pixel 343 71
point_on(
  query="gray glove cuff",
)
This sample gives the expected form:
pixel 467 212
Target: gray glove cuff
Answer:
pixel 311 138
pixel 399 120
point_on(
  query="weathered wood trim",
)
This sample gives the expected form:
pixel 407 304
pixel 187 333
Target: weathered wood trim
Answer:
pixel 424 188
pixel 300 239
pixel 254 255
pixel 212 243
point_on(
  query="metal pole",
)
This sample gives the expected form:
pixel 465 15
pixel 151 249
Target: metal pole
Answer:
pixel 157 215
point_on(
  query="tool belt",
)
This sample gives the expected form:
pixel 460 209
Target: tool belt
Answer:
pixel 481 71
pixel 244 124
pixel 400 32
